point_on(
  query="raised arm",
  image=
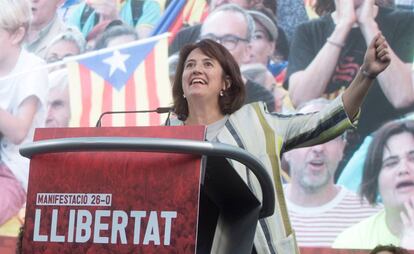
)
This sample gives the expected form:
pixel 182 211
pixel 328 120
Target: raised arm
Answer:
pixel 315 128
pixel 398 72
pixel 16 127
pixel 376 60
pixel 311 82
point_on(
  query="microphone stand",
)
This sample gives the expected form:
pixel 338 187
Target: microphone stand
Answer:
pixel 160 110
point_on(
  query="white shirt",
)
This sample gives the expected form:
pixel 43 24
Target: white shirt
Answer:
pixel 14 89
pixel 319 226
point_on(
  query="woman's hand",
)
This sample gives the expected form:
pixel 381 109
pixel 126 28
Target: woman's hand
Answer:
pixel 377 57
pixel 345 11
pixel 366 12
pixel 407 218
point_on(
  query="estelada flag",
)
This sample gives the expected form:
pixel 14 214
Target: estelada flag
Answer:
pixel 130 77
pixel 180 13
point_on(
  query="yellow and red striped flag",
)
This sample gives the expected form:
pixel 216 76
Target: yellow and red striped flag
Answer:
pixel 180 13
pixel 129 77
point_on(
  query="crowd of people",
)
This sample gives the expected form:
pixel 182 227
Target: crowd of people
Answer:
pixel 243 52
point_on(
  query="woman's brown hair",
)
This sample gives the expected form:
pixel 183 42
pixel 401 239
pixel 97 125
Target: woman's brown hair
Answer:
pixel 373 162
pixel 391 248
pixel 234 95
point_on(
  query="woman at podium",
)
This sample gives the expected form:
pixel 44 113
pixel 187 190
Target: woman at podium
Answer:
pixel 209 90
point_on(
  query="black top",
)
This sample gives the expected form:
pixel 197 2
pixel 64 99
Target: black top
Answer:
pixel 256 92
pixel 310 37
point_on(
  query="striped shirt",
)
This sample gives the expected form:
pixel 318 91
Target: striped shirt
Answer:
pixel 319 226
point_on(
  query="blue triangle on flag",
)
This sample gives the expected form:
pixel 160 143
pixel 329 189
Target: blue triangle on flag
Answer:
pixel 132 57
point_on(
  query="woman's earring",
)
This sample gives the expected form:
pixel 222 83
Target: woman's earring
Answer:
pixel 221 93
pixel 184 96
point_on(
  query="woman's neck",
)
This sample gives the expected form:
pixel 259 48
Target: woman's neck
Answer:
pixel 200 113
pixel 393 220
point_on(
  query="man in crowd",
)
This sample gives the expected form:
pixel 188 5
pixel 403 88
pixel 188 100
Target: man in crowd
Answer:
pixel 191 34
pixel 233 27
pixel 319 210
pixel 58 104
pixel 45 25
pixel 326 54
pixel 142 15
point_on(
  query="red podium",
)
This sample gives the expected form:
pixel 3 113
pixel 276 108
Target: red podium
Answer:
pixel 139 190
pixel 107 201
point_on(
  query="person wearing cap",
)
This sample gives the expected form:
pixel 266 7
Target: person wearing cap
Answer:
pixel 264 43
pixel 190 34
pixel 264 38
pixel 231 26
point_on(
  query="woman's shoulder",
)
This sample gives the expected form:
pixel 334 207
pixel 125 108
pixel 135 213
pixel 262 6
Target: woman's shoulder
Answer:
pixel 260 107
pixel 356 235
pixel 250 108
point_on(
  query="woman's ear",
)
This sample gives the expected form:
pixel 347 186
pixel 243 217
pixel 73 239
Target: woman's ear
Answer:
pixel 18 35
pixel 227 82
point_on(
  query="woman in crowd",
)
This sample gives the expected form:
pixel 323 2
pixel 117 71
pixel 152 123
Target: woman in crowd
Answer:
pixel 208 90
pixel 389 172
pixel 388 249
pixel 69 43
pixel 265 47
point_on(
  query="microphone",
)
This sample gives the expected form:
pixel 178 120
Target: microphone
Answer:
pixel 160 110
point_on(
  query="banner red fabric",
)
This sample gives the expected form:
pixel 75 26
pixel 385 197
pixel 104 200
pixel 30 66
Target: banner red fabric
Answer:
pixel 112 201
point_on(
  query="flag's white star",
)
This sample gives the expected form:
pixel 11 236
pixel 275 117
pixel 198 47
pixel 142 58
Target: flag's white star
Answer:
pixel 117 62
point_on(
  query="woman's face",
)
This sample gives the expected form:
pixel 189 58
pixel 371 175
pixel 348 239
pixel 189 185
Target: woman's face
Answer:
pixel 202 76
pixel 396 178
pixel 60 50
pixel 262 47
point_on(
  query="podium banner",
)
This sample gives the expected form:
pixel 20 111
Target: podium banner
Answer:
pixel 113 201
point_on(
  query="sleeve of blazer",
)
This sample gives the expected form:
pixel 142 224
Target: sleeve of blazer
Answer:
pixel 300 130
